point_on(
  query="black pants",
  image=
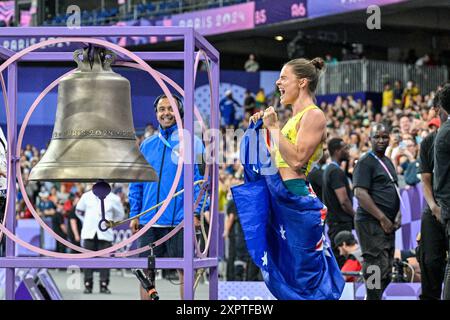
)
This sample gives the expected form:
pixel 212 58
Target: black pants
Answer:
pixel 172 248
pixel 333 229
pixel 59 246
pixel 378 253
pixel 447 268
pixel 237 255
pixel 96 244
pixel 432 256
pixel 253 272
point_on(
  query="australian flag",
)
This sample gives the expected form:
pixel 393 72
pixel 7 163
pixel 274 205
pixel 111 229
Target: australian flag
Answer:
pixel 284 232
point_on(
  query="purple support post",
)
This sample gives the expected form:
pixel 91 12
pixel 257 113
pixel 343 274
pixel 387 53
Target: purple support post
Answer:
pixel 11 212
pixel 214 249
pixel 189 165
pixel 187 263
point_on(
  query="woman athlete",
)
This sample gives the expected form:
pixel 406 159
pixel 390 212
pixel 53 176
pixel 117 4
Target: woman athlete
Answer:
pixel 299 143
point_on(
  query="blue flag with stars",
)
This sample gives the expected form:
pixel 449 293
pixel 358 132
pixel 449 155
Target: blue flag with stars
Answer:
pixel 284 232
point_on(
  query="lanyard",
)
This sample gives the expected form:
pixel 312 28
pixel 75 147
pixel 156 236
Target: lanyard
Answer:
pixel 390 176
pixel 167 144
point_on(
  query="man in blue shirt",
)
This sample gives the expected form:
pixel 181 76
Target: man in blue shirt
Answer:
pixel 160 150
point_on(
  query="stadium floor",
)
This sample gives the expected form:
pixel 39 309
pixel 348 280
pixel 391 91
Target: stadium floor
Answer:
pixel 123 286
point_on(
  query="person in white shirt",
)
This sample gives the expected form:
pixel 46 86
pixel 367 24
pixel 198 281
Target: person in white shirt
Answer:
pixel 89 211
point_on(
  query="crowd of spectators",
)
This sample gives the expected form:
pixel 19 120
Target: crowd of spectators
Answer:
pixel 54 201
pixel 406 111
pixel 143 9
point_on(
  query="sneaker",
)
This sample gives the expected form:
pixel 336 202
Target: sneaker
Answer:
pixel 87 287
pixel 87 290
pixel 105 290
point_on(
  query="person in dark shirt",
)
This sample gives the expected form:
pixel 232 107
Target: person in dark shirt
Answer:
pixel 237 250
pixel 74 224
pixel 249 102
pixel 433 246
pixel 315 177
pixel 441 177
pixel 59 226
pixel 337 195
pixel 378 215
pixel 48 209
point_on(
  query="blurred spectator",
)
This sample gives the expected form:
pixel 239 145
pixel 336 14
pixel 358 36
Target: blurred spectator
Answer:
pixel 388 97
pixel 48 209
pixel 74 223
pixel 275 101
pixel 59 225
pixel 330 60
pixel 228 107
pixel 409 94
pixel 349 249
pixel 251 65
pixel 434 124
pixel 398 93
pixel 405 125
pixel 53 197
pixel 260 99
pixel 410 167
pixel 423 61
pixel 249 102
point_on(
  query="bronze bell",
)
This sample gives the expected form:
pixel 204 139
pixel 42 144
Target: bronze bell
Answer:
pixel 93 138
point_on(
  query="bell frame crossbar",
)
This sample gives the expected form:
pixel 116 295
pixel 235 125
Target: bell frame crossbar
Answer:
pixel 192 40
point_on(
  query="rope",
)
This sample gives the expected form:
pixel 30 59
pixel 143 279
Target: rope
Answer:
pixel 112 224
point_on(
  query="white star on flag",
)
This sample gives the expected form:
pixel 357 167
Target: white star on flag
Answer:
pixel 264 259
pixel 282 232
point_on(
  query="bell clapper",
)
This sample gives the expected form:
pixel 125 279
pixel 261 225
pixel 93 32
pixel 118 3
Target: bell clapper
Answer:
pixel 101 189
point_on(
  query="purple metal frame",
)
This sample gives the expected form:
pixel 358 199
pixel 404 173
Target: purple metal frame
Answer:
pixel 188 263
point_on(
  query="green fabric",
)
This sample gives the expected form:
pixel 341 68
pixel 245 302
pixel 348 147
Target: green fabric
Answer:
pixel 297 186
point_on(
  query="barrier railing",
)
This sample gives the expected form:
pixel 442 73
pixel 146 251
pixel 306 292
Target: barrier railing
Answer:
pixel 370 75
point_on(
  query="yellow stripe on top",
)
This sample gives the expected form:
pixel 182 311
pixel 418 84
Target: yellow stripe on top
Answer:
pixel 290 132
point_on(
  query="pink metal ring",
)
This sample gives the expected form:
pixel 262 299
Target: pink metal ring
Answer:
pixel 199 117
pixel 152 72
